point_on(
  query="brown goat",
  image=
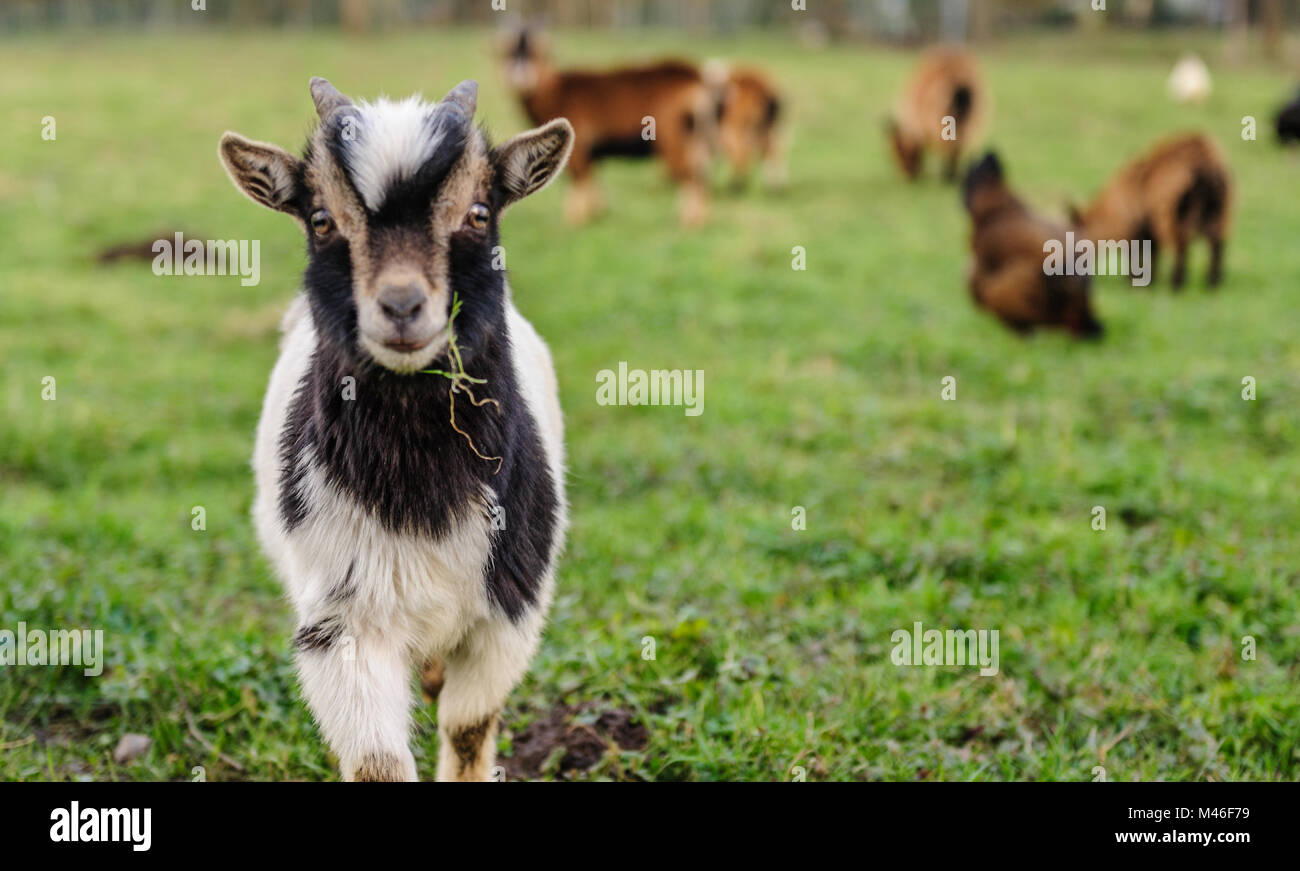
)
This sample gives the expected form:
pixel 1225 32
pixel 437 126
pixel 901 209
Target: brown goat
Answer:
pixel 944 107
pixel 1008 276
pixel 658 110
pixel 748 113
pixel 1178 190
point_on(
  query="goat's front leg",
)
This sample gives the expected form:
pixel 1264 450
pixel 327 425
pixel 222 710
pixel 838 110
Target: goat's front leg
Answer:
pixel 478 678
pixel 358 687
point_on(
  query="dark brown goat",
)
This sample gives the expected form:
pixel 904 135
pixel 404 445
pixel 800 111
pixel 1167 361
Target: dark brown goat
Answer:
pixel 1008 276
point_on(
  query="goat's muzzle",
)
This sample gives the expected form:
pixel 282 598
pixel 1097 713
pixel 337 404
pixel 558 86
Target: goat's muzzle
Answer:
pixel 403 321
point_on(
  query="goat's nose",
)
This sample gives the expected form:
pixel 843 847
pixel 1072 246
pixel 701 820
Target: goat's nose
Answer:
pixel 401 302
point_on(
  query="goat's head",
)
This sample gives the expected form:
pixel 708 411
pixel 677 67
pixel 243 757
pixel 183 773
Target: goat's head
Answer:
pixel 1069 303
pixel 525 56
pixel 984 185
pixel 906 150
pixel 400 202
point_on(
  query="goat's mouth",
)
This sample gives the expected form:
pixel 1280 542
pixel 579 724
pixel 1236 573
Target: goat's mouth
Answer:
pixel 407 346
pixel 404 354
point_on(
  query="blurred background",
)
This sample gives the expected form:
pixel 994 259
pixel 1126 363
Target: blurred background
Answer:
pixel 898 21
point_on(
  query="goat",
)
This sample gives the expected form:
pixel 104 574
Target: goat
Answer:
pixel 944 106
pixel 612 111
pixel 415 519
pixel 1178 190
pixel 747 129
pixel 1008 276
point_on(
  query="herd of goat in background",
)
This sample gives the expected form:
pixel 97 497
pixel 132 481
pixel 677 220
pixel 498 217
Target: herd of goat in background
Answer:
pixel 672 110
pixel 1176 192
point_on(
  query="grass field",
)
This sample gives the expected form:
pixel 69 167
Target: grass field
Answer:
pixel 1119 648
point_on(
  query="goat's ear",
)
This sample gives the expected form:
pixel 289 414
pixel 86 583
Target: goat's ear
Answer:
pixel 267 175
pixel 531 160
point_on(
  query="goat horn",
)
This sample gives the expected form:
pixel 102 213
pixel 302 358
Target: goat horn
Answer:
pixel 326 97
pixel 464 95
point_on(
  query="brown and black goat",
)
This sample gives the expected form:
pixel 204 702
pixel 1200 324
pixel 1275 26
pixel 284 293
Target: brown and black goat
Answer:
pixel 944 106
pixel 1009 277
pixel 660 110
pixel 1178 190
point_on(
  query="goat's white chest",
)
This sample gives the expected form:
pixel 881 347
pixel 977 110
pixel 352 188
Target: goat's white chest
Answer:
pixel 417 590
pixel 341 561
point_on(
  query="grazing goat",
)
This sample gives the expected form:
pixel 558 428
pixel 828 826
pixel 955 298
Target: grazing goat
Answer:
pixel 1008 276
pixel 1178 190
pixel 415 517
pixel 944 107
pixel 660 110
pixel 748 129
pixel 1288 122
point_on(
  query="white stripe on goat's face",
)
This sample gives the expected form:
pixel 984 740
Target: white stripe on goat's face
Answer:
pixel 390 142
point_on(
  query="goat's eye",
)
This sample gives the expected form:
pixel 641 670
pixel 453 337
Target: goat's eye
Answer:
pixel 478 216
pixel 321 222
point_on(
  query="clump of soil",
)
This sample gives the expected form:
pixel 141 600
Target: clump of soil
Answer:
pixel 584 744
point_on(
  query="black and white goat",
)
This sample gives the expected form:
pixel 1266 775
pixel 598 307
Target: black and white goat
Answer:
pixel 410 528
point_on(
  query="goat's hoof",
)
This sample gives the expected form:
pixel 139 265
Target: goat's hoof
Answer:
pixel 382 768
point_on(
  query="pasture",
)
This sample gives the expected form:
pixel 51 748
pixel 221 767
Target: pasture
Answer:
pixel 771 645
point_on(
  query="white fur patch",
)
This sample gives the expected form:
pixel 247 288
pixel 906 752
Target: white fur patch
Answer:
pixel 395 139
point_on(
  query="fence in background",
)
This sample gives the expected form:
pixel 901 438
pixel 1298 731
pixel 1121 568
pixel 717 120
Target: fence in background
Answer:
pixel 887 20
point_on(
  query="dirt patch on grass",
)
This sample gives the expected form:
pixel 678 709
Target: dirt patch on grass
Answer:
pixel 141 247
pixel 581 739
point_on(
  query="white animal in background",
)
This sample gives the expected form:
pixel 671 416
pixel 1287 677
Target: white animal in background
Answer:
pixel 1189 82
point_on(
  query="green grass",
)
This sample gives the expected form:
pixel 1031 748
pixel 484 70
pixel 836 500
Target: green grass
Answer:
pixel 822 390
